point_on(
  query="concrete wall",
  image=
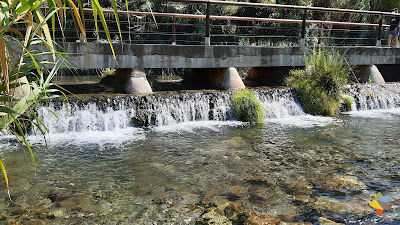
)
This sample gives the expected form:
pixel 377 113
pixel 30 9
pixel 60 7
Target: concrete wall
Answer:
pixel 99 55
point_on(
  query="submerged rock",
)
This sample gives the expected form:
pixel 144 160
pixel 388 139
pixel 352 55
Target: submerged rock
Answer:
pixel 252 218
pixel 327 204
pixel 195 208
pixel 213 217
pixel 60 213
pixel 237 192
pixel 231 211
pixel 297 187
pixel 342 183
pixel 325 221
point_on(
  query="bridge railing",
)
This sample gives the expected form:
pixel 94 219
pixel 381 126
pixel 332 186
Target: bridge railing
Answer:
pixel 173 28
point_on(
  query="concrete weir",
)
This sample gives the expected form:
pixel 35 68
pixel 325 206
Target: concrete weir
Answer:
pixel 220 78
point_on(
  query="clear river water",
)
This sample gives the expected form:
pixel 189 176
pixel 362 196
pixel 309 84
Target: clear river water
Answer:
pixel 194 164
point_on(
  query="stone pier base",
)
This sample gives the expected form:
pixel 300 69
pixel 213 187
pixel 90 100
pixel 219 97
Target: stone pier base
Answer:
pixel 370 73
pixel 220 78
pixel 24 89
pixel 137 83
pixel 128 80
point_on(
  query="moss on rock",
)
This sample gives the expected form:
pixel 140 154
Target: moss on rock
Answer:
pixel 246 107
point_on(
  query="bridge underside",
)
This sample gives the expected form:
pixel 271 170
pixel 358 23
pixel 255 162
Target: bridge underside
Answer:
pixel 99 55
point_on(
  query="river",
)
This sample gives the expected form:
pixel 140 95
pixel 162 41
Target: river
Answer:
pixel 194 164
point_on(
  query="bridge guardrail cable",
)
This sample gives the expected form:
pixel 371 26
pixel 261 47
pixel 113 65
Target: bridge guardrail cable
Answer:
pixel 178 28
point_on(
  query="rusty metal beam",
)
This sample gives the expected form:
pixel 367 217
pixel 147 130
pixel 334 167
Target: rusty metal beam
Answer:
pixel 203 17
pixel 280 6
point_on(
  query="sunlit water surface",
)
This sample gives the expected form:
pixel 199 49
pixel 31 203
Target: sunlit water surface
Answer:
pixel 292 168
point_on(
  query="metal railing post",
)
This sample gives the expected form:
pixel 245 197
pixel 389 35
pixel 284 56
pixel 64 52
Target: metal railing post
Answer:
pixel 173 30
pixel 303 29
pixel 379 34
pixel 253 34
pixel 207 35
pixel 321 27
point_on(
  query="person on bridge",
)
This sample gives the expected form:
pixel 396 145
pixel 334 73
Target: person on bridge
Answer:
pixel 394 28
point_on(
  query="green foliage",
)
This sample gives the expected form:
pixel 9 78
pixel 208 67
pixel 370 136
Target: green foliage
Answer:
pixel 348 102
pixel 246 107
pixel 19 58
pixel 319 85
pixel 107 72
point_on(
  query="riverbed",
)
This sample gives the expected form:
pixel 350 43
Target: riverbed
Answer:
pixel 293 168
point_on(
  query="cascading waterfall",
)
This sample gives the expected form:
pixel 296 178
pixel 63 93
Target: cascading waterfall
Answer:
pixel 112 113
pixel 279 103
pixel 107 114
pixel 373 96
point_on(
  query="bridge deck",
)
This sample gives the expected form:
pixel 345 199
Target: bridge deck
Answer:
pixel 99 55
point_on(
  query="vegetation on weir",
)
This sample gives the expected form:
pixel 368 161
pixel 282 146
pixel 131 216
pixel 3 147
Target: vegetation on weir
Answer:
pixel 319 85
pixel 20 58
pixel 246 107
pixel 348 103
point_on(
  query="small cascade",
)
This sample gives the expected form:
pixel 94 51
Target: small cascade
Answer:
pixel 373 96
pixel 110 113
pixel 279 103
pixel 102 113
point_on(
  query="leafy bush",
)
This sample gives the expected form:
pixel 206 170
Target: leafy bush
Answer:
pixel 319 84
pixel 107 72
pixel 348 102
pixel 246 107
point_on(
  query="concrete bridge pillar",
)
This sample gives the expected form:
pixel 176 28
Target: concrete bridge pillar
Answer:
pixel 220 78
pixel 127 80
pixel 137 82
pixel 23 90
pixel 370 73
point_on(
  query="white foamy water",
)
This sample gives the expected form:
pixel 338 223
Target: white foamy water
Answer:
pixel 103 119
pixel 375 97
pixel 72 118
pixel 376 113
pixel 305 121
pixel 191 127
pixel 279 104
pixel 116 137
pixel 108 118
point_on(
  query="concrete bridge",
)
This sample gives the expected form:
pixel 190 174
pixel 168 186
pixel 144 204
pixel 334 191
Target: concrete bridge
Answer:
pixel 213 61
pixel 99 55
pixel 212 65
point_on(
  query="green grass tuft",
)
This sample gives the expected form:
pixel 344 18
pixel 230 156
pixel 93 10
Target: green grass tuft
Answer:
pixel 246 108
pixel 348 102
pixel 319 85
pixel 107 72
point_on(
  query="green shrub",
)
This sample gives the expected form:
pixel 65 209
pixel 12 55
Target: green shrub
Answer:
pixel 246 107
pixel 319 84
pixel 107 72
pixel 348 102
